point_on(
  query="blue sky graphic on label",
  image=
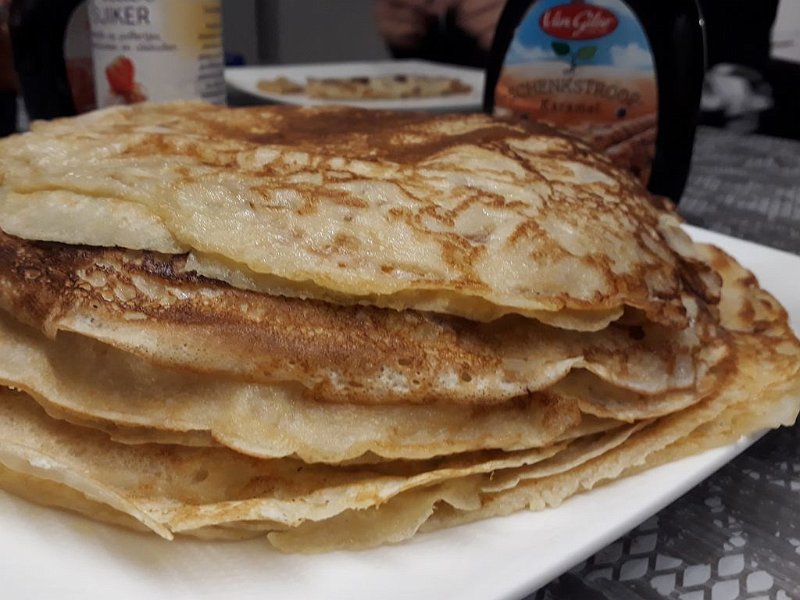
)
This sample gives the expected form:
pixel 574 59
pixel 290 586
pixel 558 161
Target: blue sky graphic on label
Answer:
pixel 626 47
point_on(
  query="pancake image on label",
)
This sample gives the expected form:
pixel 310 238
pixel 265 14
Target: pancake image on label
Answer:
pixel 333 329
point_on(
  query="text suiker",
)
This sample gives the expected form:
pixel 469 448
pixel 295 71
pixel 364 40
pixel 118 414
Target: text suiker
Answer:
pixel 578 21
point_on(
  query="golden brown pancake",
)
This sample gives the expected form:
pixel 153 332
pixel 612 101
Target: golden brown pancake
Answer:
pixel 461 214
pixel 762 390
pixel 300 507
pixel 146 304
pixel 177 488
pixel 88 383
pixel 335 328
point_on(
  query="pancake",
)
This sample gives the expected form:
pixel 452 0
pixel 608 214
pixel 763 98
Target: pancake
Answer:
pixel 753 400
pixel 88 383
pixel 462 214
pixel 304 508
pixel 335 328
pixel 762 390
pixel 145 304
pixel 174 488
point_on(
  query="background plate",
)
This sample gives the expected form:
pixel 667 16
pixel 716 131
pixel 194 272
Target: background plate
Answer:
pixel 245 79
pixel 49 553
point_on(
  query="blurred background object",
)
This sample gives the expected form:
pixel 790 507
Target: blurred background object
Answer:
pixel 734 96
pixel 786 32
pixel 753 84
pixel 783 73
pixel 8 80
pixel 755 44
pixel 38 29
pixel 753 47
pixel 311 31
pixel 453 31
pixel 78 59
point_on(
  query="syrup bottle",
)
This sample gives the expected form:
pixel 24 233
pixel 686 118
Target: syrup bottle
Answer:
pixel 38 31
pixel 624 75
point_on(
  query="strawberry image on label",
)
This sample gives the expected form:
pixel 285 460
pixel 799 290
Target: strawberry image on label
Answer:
pixel 120 73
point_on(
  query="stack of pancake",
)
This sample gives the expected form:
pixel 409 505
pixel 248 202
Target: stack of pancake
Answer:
pixel 336 328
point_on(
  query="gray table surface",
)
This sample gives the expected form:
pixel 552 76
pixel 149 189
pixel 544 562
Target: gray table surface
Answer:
pixel 737 534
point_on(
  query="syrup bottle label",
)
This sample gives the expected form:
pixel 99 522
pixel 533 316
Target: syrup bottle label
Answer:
pixel 585 66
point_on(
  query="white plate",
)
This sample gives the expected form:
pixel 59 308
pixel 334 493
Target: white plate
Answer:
pixel 246 79
pixel 48 553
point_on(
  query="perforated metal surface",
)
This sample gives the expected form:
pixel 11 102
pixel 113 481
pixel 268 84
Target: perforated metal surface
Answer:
pixel 736 535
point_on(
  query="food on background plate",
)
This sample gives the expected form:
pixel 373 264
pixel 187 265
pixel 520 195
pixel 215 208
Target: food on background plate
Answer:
pixel 335 328
pixel 280 85
pixel 371 87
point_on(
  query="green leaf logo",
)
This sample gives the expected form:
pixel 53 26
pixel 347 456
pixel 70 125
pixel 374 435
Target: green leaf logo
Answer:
pixel 561 48
pixel 582 54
